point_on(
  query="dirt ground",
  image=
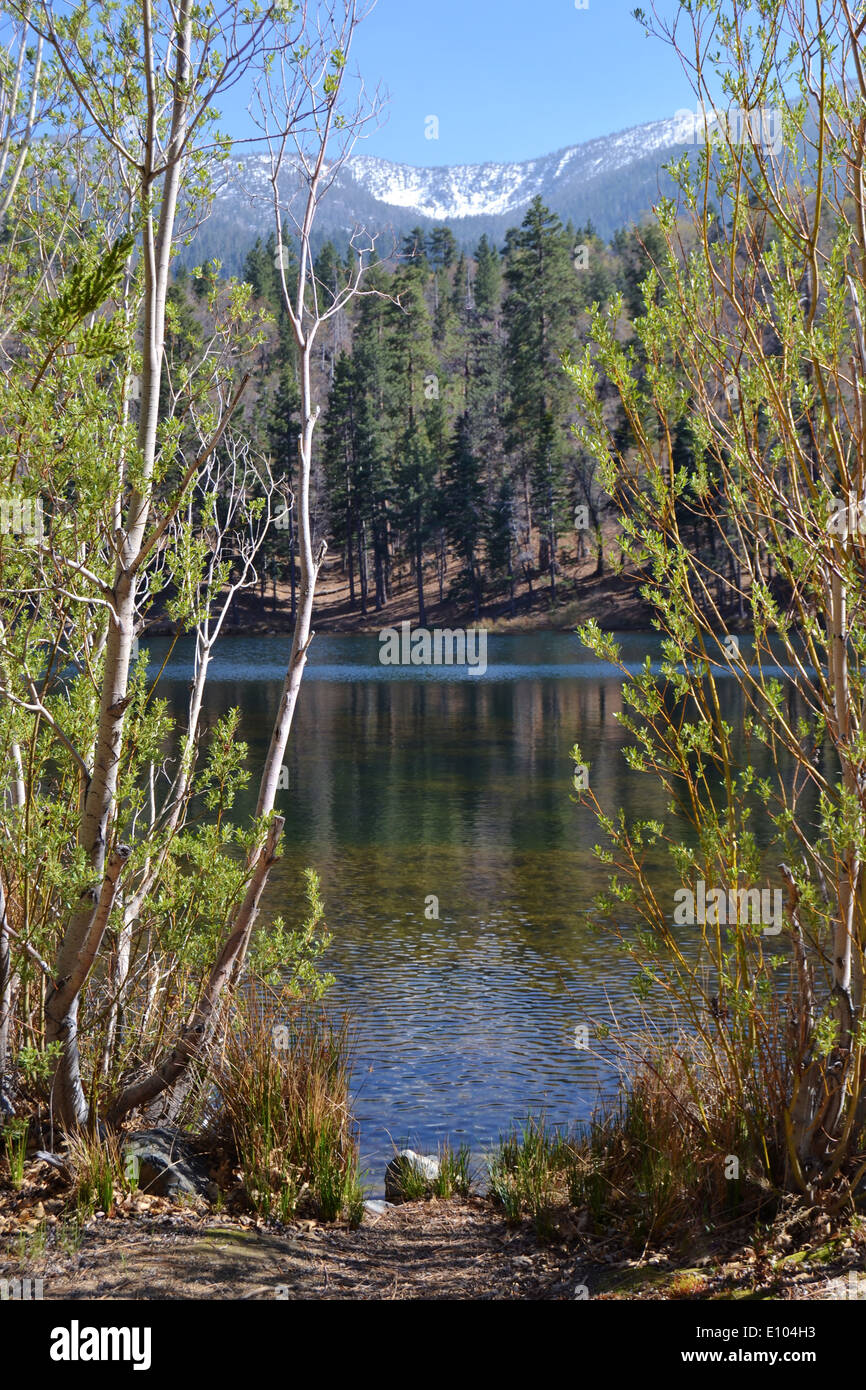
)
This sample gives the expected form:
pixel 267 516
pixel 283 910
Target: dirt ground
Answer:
pixel 432 1250
pixel 611 599
pixel 150 1248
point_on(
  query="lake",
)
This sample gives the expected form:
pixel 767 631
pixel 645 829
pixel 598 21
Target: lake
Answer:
pixel 410 784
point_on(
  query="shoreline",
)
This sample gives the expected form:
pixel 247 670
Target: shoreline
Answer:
pixel 612 600
pixel 151 1248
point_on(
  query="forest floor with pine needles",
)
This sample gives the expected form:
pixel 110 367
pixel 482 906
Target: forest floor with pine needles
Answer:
pixel 612 599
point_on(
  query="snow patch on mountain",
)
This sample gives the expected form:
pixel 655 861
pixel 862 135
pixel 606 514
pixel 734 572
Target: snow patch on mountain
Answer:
pixel 465 190
pixel 472 190
pixel 608 181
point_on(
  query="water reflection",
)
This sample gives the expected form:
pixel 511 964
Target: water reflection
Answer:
pixel 410 787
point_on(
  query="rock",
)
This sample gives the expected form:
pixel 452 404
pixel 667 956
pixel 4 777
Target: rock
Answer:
pixel 43 1156
pixel 167 1165
pixel 374 1206
pixel 415 1166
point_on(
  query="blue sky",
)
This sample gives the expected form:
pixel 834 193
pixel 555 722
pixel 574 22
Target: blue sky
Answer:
pixel 507 79
pixel 510 79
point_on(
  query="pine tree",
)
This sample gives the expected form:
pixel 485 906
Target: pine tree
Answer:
pixel 463 496
pixel 261 272
pixel 330 275
pixel 341 466
pixel 282 427
pixel 414 248
pixel 638 249
pixel 488 278
pixel 462 298
pixel 441 248
pixel 596 280
pixel 413 388
pixel 373 438
pixel 540 319
pixel 501 534
pixel 484 396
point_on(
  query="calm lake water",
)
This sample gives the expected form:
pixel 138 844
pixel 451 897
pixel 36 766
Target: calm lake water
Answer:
pixel 412 783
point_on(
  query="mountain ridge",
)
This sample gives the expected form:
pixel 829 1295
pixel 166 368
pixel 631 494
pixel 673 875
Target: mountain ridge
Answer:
pixel 368 170
pixel 608 180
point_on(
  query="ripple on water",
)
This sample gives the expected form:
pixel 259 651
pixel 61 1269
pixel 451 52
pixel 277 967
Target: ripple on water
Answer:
pixel 402 788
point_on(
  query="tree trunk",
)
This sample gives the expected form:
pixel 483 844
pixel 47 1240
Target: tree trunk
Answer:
pixel 362 562
pixel 419 573
pixel 196 1035
pixel 85 928
pixel 5 987
pixel 77 954
pixel 350 552
pixel 599 542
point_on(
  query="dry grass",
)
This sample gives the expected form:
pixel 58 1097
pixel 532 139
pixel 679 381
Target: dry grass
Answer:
pixel 686 1144
pixel 284 1092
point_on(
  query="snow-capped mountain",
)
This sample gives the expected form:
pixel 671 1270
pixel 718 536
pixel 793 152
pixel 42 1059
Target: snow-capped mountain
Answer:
pixel 492 190
pixel 610 181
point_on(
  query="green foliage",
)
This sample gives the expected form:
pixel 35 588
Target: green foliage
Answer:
pixel 525 1174
pixel 84 290
pixel 279 954
pixel 15 1133
pixel 135 524
pixel 454 1178
pixel 448 418
pixel 724 455
pixel 37 1064
pixel 99 1172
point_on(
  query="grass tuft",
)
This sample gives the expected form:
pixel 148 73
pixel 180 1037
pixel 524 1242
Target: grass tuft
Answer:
pixel 685 1141
pixel 98 1171
pixel 284 1092
pixel 454 1178
pixel 15 1136
pixel 529 1172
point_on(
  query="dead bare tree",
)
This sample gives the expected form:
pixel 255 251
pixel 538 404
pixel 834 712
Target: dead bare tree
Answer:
pixel 301 175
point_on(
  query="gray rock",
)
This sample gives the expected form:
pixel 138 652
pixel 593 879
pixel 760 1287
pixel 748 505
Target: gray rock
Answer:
pixel 409 1164
pixel 374 1206
pixel 167 1165
pixel 56 1161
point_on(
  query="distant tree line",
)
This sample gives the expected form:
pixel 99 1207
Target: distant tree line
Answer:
pixel 446 440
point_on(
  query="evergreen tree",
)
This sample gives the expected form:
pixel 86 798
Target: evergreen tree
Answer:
pixel 462 298
pixel 341 465
pixel 413 391
pixel 441 248
pixel 445 317
pixel 488 278
pixel 540 318
pixel 330 276
pixel 261 272
pixel 638 249
pixel 596 279
pixel 414 248
pixel 329 273
pixel 373 443
pixel 501 534
pixel 484 393
pixel 463 495
pixel 282 427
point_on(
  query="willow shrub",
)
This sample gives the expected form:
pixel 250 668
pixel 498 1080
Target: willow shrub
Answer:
pixel 729 426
